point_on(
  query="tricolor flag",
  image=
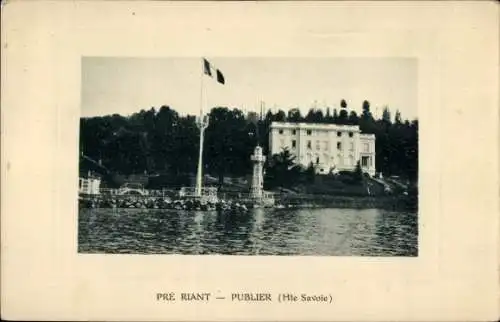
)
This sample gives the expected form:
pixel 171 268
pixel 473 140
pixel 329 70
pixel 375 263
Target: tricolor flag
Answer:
pixel 208 70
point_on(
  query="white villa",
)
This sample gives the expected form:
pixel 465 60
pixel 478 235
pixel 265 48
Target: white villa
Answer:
pixel 330 147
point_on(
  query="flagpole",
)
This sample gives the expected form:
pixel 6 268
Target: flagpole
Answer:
pixel 201 87
pixel 202 124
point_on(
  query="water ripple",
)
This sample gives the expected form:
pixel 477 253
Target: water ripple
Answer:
pixel 329 232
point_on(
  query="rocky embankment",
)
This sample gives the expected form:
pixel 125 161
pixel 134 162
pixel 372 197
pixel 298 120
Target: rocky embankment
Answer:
pixel 159 203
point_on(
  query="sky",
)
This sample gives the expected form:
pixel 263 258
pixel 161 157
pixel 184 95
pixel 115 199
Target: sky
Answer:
pixel 127 85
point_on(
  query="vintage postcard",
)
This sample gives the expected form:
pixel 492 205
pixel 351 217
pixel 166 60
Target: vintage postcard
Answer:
pixel 255 161
pixel 243 177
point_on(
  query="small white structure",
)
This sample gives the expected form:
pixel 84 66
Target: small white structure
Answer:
pixel 205 194
pixel 329 147
pixel 257 195
pixel 257 178
pixel 89 186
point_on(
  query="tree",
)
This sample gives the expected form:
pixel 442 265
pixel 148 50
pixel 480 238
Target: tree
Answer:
pixel 366 121
pixel 282 169
pixel 164 142
pixel 310 172
pixel 225 137
pixel 252 117
pixel 343 117
pixel 328 116
pixel 294 115
pixel 397 118
pixel 335 117
pixel 366 109
pixel 186 147
pixel 162 137
pixel 269 117
pixel 412 152
pixel 318 116
pixel 358 173
pixel 343 103
pixel 353 118
pixel 280 116
pixel 311 116
pixel 386 115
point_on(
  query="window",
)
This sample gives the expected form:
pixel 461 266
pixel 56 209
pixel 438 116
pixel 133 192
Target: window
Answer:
pixel 326 145
pixel 294 132
pixel 280 131
pixel 309 132
pixel 366 147
pixel 351 160
pixel 294 144
pixel 317 160
pixel 309 144
pixel 351 146
pixel 339 146
pixel 350 134
pixel 364 161
pixel 317 145
pixel 282 143
pixel 339 134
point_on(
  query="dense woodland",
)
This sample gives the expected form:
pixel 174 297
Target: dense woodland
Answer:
pixel 162 142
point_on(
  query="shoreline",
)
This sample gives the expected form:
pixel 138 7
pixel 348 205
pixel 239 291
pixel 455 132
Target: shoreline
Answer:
pixel 395 203
pixel 409 203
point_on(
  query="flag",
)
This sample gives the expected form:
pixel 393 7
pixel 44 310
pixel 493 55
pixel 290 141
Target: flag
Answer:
pixel 220 77
pixel 207 70
pixel 207 67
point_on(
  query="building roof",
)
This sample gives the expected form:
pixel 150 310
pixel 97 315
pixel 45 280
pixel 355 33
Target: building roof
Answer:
pixel 315 126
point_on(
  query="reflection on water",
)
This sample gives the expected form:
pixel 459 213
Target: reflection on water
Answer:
pixel 340 232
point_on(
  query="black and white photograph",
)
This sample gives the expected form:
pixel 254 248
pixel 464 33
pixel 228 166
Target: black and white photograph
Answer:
pixel 249 161
pixel 248 156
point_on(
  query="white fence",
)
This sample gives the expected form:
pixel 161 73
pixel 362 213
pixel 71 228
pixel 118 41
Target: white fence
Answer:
pixel 207 193
pixel 126 191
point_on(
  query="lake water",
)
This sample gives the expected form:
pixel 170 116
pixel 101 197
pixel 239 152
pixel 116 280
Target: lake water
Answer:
pixel 337 232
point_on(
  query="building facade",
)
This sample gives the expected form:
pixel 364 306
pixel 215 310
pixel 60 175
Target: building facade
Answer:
pixel 89 186
pixel 329 147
